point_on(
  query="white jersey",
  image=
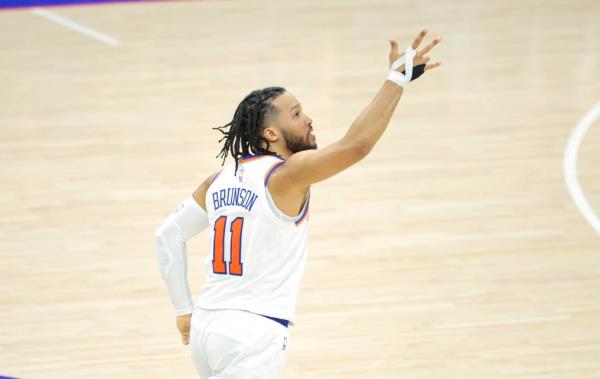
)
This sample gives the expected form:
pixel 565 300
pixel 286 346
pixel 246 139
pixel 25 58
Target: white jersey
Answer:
pixel 257 253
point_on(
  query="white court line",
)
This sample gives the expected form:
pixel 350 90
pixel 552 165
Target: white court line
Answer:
pixel 503 322
pixel 77 27
pixel 570 167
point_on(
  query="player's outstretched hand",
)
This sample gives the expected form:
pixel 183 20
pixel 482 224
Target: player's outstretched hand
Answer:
pixel 183 325
pixel 421 55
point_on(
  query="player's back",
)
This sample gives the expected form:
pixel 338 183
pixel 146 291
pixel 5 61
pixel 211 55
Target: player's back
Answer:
pixel 258 253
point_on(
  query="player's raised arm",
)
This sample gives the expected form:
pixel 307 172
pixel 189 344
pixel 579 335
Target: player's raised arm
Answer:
pixel 311 166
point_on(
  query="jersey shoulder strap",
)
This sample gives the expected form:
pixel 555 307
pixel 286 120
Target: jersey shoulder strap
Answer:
pixel 259 167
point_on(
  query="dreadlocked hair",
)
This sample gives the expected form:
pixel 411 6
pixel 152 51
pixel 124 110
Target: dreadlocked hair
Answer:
pixel 242 136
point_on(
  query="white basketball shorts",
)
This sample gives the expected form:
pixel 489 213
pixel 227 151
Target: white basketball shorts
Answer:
pixel 233 344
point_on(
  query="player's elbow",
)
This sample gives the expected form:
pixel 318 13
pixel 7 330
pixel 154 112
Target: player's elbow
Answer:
pixel 165 228
pixel 362 147
pixel 159 238
pixel 160 231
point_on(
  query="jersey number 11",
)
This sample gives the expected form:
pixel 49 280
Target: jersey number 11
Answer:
pixel 218 262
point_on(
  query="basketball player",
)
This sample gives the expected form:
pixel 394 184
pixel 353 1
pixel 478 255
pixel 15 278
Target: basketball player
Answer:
pixel 256 209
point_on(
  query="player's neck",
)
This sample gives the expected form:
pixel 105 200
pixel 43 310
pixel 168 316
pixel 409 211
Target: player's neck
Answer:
pixel 281 151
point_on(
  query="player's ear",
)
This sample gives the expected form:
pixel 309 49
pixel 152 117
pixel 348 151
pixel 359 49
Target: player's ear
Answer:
pixel 270 134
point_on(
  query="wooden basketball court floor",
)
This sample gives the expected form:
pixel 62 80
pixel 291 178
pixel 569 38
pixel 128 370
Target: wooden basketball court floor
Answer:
pixel 453 251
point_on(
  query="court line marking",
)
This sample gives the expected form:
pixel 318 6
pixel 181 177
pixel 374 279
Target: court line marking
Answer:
pixel 570 167
pixel 75 26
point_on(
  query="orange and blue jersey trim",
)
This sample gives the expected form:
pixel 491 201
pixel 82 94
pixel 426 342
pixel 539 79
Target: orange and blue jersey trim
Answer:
pixel 249 158
pixel 304 215
pixel 270 171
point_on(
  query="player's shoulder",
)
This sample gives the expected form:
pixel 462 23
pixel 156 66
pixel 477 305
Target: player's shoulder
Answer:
pixel 283 178
pixel 200 192
pixel 286 172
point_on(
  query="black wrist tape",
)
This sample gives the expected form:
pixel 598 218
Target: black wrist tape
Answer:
pixel 417 71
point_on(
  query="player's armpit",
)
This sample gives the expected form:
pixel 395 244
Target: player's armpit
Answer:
pixel 311 166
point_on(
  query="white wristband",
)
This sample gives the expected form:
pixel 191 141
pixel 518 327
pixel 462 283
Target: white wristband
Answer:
pixel 407 60
pixel 398 78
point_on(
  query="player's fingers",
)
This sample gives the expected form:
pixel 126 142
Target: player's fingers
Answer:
pixel 394 55
pixel 393 47
pixel 419 38
pixel 393 51
pixel 430 46
pixel 185 338
pixel 424 60
pixel 432 65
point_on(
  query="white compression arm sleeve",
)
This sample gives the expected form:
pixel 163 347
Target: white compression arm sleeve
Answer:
pixel 185 222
